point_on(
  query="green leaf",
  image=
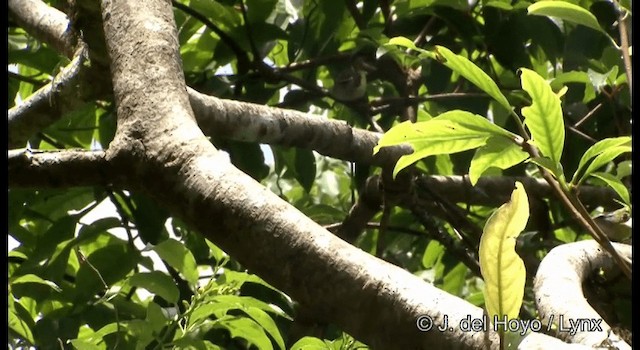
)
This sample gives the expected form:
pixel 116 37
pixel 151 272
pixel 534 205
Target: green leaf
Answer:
pixel 180 258
pixel 404 42
pixel 156 283
pixel 266 322
pixel 305 168
pixel 502 269
pixel 432 253
pixel 109 264
pixel 605 157
pixel 548 164
pixel 544 116
pixel 598 149
pixel 31 278
pixel 149 218
pixel 82 344
pixel 310 343
pixel 451 132
pixel 499 153
pixel 21 326
pixel 566 11
pixel 616 185
pixel 473 73
pixel 246 328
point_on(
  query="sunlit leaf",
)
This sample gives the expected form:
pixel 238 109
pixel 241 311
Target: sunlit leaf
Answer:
pixel 473 73
pixel 180 258
pixel 598 149
pixel 502 269
pixel 450 132
pixel 544 116
pixel 499 152
pixel 566 11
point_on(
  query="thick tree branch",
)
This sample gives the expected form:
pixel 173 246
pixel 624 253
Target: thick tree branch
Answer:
pixel 45 23
pixel 49 103
pixel 60 169
pixel 558 287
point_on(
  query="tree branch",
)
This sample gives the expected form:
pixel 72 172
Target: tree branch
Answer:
pixel 45 23
pixel 60 169
pixel 558 288
pixel 49 103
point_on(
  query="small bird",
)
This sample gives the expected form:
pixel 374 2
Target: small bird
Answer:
pixel 616 224
pixel 350 84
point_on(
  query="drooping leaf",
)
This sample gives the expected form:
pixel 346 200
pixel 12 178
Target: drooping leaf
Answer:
pixel 499 152
pixel 597 149
pixel 544 116
pixel 615 184
pixel 180 258
pixel 305 168
pixel 502 269
pixel 149 218
pixel 566 11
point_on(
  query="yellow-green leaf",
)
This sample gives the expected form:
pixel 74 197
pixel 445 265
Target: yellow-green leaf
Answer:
pixel 473 73
pixel 601 147
pixel 180 258
pixel 499 152
pixel 451 132
pixel 404 42
pixel 566 11
pixel 544 116
pixel 502 269
pixel 615 184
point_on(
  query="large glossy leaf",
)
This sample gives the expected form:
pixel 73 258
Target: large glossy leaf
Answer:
pixel 544 116
pixel 502 269
pixel 566 11
pixel 598 149
pixel 499 152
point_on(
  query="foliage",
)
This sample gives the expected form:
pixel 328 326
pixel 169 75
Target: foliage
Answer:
pixel 502 269
pixel 132 276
